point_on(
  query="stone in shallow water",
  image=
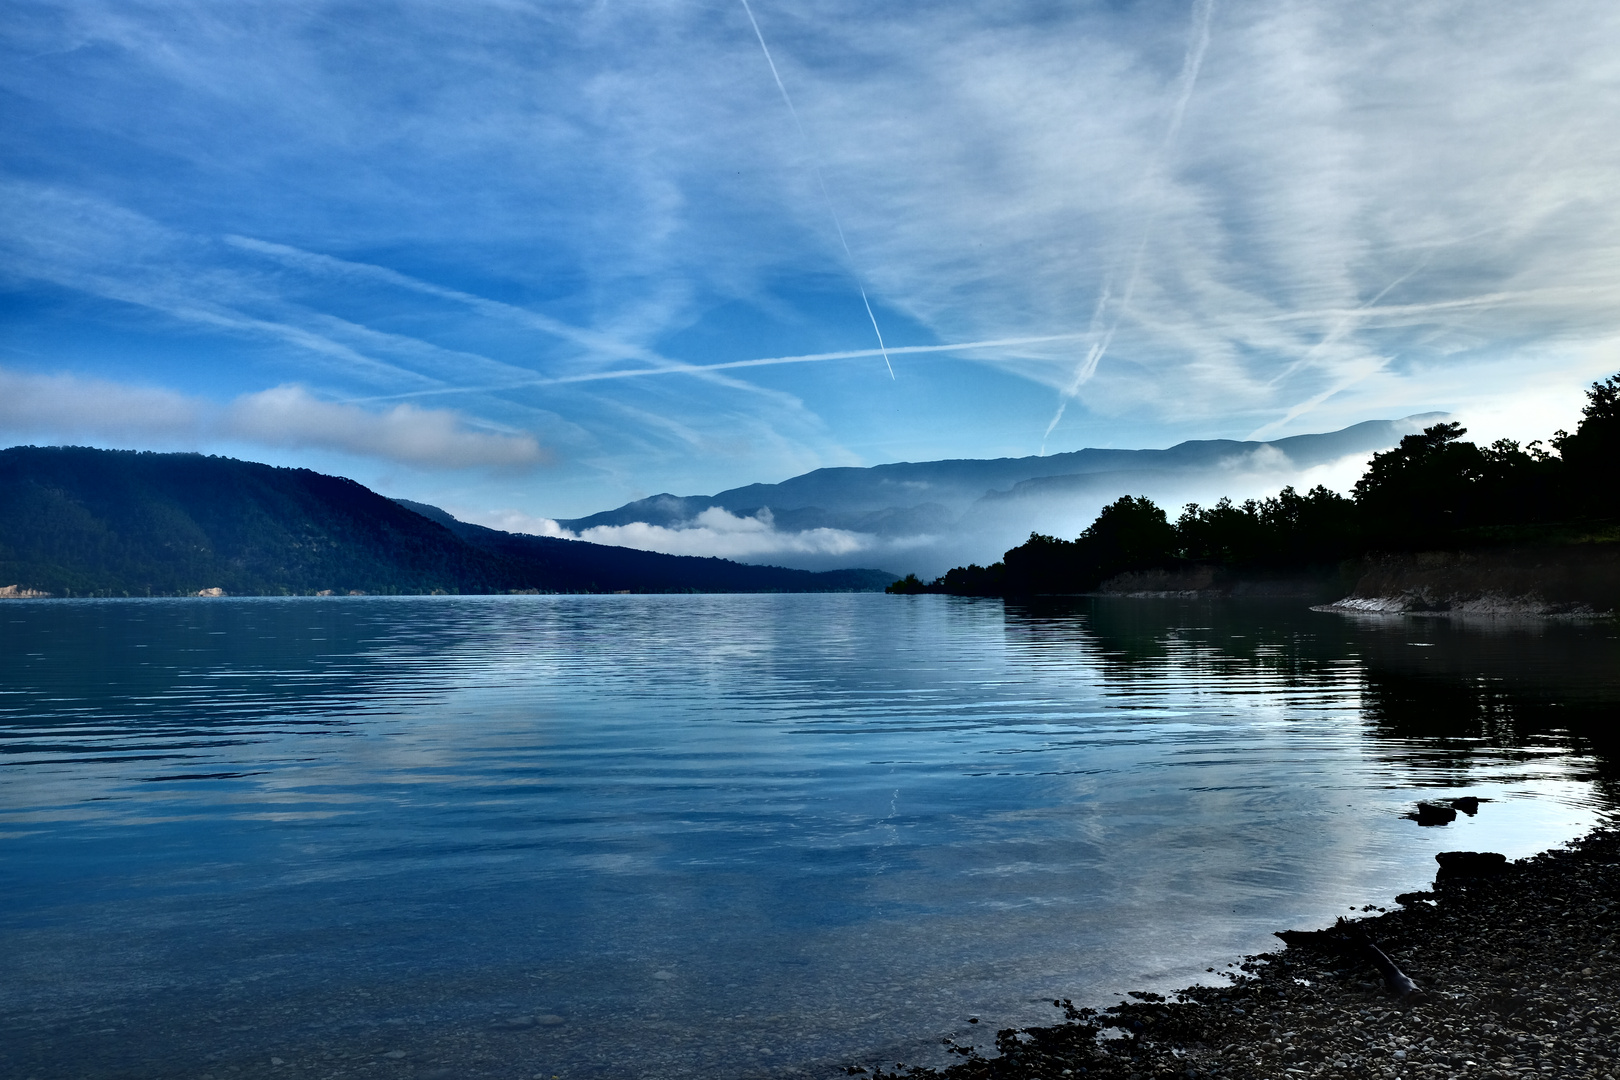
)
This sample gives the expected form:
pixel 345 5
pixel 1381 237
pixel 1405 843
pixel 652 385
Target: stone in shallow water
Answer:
pixel 1455 864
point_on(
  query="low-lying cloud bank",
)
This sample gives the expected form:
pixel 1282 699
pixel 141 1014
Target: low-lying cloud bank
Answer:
pixel 714 532
pixel 70 407
pixel 719 532
pixel 982 531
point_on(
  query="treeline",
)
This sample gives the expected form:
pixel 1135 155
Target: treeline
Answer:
pixel 1433 490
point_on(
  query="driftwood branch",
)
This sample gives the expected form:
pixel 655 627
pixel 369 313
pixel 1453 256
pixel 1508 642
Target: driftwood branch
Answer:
pixel 1352 942
pixel 1397 980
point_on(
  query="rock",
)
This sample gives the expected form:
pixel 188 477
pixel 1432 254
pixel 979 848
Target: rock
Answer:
pixel 664 976
pixel 1462 864
pixel 1468 804
pixel 549 1020
pixel 1428 813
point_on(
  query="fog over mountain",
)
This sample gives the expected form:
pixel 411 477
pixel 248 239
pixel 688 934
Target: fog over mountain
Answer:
pixel 928 516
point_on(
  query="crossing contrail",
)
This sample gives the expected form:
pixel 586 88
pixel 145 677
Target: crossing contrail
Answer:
pixel 1190 65
pixel 821 183
pixel 676 368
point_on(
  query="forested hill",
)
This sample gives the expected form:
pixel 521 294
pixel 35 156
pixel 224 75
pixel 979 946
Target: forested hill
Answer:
pixel 76 521
pixel 1434 491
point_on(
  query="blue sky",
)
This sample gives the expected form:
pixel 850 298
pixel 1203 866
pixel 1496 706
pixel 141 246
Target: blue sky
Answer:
pixel 534 260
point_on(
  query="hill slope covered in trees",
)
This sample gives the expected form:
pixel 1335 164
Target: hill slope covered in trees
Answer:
pixel 76 521
pixel 1432 491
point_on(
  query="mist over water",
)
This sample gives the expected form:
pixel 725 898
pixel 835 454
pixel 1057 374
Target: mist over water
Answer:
pixel 735 835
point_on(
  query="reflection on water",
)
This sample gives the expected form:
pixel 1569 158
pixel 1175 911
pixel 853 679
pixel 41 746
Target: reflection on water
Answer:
pixel 734 835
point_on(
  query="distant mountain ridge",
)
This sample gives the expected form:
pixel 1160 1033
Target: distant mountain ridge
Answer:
pixel 81 521
pixel 923 497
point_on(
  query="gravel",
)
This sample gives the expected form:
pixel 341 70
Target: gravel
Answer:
pixel 1518 975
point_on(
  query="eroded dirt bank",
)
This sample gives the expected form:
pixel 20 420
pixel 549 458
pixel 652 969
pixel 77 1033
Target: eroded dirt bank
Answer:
pixel 1567 580
pixel 1572 580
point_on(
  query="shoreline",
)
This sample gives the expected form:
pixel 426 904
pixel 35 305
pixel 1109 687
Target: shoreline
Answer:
pixel 1518 976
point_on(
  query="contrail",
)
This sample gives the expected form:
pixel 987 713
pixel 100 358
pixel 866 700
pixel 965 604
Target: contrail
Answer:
pixel 699 369
pixel 1343 326
pixel 1190 65
pixel 821 183
pixel 1346 321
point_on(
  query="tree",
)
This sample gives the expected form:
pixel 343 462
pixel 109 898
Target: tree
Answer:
pixel 1592 455
pixel 907 585
pixel 1130 533
pixel 1286 529
pixel 1424 489
pixel 1044 564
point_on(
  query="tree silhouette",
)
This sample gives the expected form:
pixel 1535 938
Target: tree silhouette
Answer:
pixel 1592 454
pixel 1433 489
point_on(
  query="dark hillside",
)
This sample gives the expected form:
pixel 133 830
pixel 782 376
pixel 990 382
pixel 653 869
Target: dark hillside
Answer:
pixel 76 521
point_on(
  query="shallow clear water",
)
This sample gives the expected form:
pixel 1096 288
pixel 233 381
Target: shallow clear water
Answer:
pixel 733 835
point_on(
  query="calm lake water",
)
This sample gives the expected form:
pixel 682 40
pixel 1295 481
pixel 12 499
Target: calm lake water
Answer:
pixel 719 835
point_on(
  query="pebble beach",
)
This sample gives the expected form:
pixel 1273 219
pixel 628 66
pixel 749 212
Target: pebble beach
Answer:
pixel 1516 975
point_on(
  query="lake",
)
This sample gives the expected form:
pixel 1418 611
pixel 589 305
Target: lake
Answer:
pixel 661 836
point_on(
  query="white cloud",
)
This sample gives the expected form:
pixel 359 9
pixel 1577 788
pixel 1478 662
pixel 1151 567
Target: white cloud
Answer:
pixel 72 407
pixel 516 521
pixel 719 532
pixel 66 408
pixel 289 416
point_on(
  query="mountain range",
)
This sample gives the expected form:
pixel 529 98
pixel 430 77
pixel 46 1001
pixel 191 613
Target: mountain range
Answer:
pixel 933 514
pixel 81 521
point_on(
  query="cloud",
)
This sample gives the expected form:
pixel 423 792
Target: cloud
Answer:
pixel 70 407
pixel 516 521
pixel 1365 210
pixel 719 532
pixel 289 416
pixel 73 407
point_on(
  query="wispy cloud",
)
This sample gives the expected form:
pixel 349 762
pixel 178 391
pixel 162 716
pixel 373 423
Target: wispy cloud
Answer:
pixel 602 214
pixel 66 408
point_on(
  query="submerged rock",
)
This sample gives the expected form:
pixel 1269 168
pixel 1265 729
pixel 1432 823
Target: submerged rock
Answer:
pixel 1428 813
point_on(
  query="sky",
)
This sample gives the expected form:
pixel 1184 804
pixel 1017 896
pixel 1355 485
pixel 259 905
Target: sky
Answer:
pixel 533 260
